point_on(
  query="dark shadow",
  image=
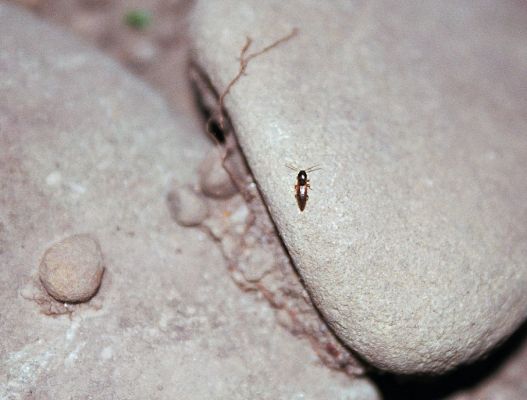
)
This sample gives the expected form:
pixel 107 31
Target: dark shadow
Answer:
pixel 397 387
pixel 206 99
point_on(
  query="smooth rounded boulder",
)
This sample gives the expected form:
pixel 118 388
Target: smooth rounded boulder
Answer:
pixel 413 240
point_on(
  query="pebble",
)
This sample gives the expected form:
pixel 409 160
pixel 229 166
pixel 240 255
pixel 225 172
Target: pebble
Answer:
pixel 71 270
pixel 186 206
pixel 260 262
pixel 213 178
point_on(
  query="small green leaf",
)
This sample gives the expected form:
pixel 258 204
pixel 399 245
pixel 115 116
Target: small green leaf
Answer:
pixel 138 19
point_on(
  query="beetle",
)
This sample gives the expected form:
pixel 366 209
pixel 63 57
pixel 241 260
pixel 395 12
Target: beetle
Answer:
pixel 302 184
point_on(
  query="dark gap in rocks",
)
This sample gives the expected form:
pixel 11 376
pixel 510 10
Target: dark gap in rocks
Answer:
pixel 464 378
pixel 206 99
pixel 214 128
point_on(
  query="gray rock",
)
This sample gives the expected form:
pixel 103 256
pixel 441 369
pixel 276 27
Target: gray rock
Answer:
pixel 186 206
pixel 71 270
pixel 413 242
pixel 85 145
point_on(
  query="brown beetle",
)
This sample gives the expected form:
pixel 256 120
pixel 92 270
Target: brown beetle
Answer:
pixel 302 184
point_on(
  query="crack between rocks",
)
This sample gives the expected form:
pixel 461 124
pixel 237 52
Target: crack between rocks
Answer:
pixel 304 320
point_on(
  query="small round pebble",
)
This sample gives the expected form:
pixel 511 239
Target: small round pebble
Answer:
pixel 213 179
pixel 71 270
pixel 260 262
pixel 186 207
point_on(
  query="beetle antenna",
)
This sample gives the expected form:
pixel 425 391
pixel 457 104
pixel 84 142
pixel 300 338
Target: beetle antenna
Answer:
pixel 315 167
pixel 292 167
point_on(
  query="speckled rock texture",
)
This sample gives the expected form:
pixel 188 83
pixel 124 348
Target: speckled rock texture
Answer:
pixel 85 147
pixel 413 243
pixel 71 270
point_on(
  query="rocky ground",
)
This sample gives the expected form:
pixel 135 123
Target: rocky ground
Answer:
pixel 412 244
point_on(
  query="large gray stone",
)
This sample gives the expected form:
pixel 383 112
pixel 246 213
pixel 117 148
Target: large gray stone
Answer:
pixel 85 147
pixel 413 243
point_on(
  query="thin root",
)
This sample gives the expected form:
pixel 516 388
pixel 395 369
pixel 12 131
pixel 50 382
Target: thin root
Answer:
pixel 244 60
pixel 219 115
